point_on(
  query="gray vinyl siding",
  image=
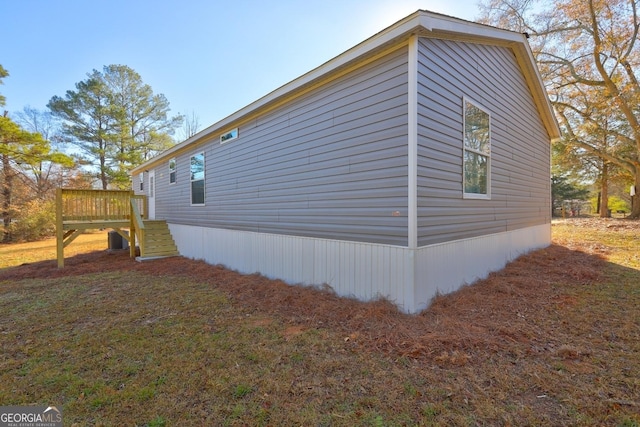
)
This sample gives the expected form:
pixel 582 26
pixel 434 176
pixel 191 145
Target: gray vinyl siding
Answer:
pixel 520 175
pixel 135 184
pixel 331 163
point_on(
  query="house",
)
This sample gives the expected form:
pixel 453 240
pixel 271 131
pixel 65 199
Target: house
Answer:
pixel 411 164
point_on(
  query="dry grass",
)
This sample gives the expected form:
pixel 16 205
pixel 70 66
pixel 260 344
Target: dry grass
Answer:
pixel 24 253
pixel 553 339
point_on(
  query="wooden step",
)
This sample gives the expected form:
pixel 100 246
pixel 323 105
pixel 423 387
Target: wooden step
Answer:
pixel 158 241
pixel 153 235
pixel 155 224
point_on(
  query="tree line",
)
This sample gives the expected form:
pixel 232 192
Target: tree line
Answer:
pixel 91 136
pixel 586 51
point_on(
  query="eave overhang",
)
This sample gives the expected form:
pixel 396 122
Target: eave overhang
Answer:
pixel 422 24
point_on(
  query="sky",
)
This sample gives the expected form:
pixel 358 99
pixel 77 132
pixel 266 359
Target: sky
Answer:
pixel 209 58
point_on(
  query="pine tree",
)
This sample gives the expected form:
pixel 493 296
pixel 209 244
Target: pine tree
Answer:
pixel 116 120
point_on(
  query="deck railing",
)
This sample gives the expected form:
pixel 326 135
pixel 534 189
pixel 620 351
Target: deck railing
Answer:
pixel 137 225
pixel 79 210
pixel 95 205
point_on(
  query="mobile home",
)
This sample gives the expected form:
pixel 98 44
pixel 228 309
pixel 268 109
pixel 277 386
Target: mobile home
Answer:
pixel 409 165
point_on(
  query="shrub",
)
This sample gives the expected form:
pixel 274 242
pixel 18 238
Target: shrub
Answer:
pixel 33 221
pixel 615 204
pixel 618 204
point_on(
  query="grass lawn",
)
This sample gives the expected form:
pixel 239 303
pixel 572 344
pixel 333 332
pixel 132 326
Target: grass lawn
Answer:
pixel 553 339
pixel 21 253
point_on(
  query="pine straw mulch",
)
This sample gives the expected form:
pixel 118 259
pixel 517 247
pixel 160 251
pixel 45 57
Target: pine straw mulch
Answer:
pixel 514 310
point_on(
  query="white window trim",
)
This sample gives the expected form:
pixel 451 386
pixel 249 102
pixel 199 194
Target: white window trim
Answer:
pixel 466 195
pixel 230 134
pixel 191 181
pixel 174 170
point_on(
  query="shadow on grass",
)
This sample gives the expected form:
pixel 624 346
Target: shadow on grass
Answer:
pixel 86 263
pixel 516 306
pixel 486 314
pixel 528 276
pixel 552 331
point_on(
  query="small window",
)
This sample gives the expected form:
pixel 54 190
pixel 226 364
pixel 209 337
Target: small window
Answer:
pixel 197 179
pixel 141 181
pixel 477 152
pixel 172 171
pixel 232 134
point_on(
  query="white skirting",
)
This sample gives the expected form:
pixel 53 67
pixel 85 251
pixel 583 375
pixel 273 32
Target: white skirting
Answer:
pixel 410 278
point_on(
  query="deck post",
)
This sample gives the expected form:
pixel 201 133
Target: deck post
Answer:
pixel 59 229
pixel 78 210
pixel 132 228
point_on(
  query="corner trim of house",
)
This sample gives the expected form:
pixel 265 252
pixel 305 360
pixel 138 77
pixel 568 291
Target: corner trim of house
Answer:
pixel 413 142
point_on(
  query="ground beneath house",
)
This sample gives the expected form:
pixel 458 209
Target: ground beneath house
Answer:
pixel 473 318
pixel 530 316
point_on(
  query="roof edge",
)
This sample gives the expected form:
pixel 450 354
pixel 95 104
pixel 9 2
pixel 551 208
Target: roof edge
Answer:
pixel 423 23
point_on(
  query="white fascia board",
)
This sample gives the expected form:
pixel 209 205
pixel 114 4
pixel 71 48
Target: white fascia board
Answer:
pixel 422 23
pixel 453 28
pixel 538 89
pixel 398 30
pixel 446 27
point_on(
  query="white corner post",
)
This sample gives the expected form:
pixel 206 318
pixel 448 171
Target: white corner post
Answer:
pixel 412 185
pixel 413 143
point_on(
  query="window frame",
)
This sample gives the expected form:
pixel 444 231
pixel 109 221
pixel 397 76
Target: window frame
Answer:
pixel 478 152
pixel 191 173
pixel 230 135
pixel 173 177
pixel 141 178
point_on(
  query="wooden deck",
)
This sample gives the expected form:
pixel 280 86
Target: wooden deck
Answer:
pixel 81 210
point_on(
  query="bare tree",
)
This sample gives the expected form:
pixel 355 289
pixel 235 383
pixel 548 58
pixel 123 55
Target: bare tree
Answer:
pixel 588 57
pixel 43 175
pixel 190 126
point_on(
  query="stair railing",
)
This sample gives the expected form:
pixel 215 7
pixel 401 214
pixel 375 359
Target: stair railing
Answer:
pixel 137 225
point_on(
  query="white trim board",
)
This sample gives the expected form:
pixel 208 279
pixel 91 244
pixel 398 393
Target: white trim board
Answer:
pixel 412 141
pixel 421 23
pixel 365 271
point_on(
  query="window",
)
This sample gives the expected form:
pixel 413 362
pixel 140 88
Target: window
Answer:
pixel 197 179
pixel 477 152
pixel 232 134
pixel 142 181
pixel 172 171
